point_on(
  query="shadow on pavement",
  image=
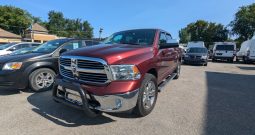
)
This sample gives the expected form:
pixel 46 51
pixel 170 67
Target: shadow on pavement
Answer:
pixel 246 68
pixel 230 106
pixel 61 114
pixel 5 92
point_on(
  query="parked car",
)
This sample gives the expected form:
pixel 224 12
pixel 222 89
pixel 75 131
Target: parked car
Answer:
pixel 9 48
pixel 247 51
pixel 22 51
pixel 224 51
pixel 124 73
pixel 196 55
pixel 36 69
pixel 2 44
pixel 196 44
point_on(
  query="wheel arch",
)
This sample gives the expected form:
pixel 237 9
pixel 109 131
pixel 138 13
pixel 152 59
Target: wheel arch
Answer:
pixel 153 71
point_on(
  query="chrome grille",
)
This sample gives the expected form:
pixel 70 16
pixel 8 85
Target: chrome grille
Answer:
pixel 65 62
pixel 84 69
pixel 90 64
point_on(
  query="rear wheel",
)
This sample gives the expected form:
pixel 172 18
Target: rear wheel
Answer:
pixel 147 97
pixel 41 79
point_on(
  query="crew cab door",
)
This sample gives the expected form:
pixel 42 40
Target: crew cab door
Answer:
pixel 167 56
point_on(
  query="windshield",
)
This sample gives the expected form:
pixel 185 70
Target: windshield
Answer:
pixel 50 46
pixel 197 50
pixel 2 47
pixel 22 51
pixel 225 47
pixel 132 37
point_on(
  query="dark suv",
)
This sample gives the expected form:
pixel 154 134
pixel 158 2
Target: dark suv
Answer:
pixel 196 55
pixel 36 69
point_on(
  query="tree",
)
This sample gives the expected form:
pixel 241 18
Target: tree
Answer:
pixel 14 19
pixel 56 23
pixel 68 27
pixel 244 23
pixel 203 31
pixel 87 29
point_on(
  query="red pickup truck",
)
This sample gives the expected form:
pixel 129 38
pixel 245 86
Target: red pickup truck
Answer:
pixel 124 73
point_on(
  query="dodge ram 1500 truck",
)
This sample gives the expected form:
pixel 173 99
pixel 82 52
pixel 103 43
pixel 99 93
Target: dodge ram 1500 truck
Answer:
pixel 125 73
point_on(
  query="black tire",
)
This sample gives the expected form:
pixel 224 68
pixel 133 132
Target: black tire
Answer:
pixel 213 60
pixel 206 64
pixel 33 76
pixel 140 110
pixel 245 60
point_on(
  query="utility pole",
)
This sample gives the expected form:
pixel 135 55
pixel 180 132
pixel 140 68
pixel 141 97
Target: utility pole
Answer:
pixel 100 33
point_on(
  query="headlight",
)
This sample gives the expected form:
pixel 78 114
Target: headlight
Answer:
pixel 12 66
pixel 125 72
pixel 204 57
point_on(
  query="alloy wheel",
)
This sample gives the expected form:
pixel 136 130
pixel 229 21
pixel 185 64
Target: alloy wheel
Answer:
pixel 44 80
pixel 149 95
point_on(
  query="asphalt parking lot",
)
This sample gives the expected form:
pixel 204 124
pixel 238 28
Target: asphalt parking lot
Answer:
pixel 218 99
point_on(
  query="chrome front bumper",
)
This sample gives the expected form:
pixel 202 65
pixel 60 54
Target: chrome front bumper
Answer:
pixel 118 102
pixel 107 103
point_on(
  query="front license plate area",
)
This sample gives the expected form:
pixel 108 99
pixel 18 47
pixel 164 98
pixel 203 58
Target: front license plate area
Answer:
pixel 73 96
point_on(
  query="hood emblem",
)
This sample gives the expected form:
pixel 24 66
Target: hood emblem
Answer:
pixel 74 67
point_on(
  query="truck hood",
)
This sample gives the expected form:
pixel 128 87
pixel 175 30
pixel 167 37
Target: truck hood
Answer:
pixel 113 54
pixel 20 58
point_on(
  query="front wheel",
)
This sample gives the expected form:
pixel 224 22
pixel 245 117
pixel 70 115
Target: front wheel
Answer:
pixel 147 97
pixel 41 79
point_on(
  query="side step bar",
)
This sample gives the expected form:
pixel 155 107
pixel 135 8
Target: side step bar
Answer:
pixel 165 81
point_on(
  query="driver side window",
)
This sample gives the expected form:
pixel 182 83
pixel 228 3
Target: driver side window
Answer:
pixel 162 38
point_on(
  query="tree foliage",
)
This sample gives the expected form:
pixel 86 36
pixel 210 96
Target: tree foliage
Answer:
pixel 14 19
pixel 68 27
pixel 203 31
pixel 244 23
pixel 17 20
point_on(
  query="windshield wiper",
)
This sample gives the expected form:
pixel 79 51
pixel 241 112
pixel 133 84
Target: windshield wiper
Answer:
pixel 130 43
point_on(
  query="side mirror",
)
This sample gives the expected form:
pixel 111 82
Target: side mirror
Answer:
pixel 12 49
pixel 170 44
pixel 62 51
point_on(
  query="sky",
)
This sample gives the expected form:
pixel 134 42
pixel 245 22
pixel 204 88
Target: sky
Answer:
pixel 117 15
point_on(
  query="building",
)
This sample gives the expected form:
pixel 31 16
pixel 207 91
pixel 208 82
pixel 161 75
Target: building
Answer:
pixel 6 37
pixel 38 33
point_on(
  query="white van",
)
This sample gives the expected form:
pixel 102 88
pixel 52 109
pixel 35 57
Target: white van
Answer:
pixel 196 44
pixel 224 51
pixel 247 51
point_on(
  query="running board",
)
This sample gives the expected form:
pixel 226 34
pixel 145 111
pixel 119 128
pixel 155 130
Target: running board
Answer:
pixel 165 81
